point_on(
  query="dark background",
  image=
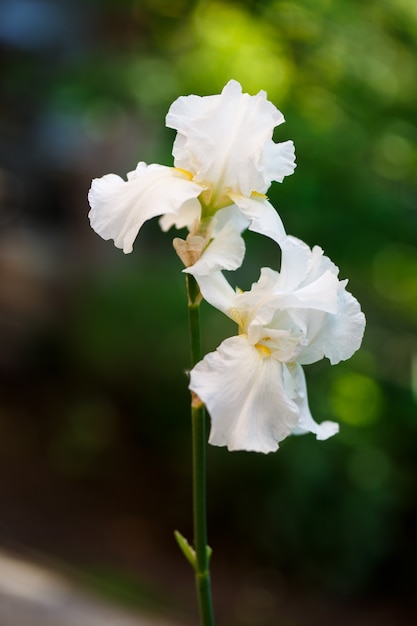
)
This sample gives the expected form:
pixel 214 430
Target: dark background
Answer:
pixel 94 417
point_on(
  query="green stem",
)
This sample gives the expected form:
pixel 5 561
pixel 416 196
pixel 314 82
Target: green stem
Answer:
pixel 202 552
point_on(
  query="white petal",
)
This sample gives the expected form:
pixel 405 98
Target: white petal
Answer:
pixel 189 213
pixel 295 384
pixel 278 160
pixel 283 342
pixel 267 296
pixel 225 252
pixel 225 140
pixel 255 305
pixel 329 317
pixel 320 295
pixel 245 396
pixel 230 214
pixel 320 263
pixel 119 208
pixel 307 280
pixel 265 304
pixel 295 263
pixel 338 335
pixel 216 290
pixel 301 266
pixel 262 216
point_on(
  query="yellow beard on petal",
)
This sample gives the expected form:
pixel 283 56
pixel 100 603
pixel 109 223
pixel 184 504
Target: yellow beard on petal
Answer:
pixel 263 350
pixel 255 195
pixel 185 172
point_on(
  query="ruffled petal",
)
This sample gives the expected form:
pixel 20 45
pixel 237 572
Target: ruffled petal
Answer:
pixel 295 385
pixel 335 336
pixel 119 208
pixel 225 140
pixel 245 395
pixel 328 315
pixel 278 160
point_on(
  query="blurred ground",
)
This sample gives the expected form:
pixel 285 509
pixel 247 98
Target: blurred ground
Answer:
pixel 34 591
pixel 33 594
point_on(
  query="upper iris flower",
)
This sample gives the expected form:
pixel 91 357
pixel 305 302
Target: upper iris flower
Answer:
pixel 224 158
pixel 254 385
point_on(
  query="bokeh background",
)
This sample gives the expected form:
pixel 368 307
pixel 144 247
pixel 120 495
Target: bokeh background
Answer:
pixel 94 424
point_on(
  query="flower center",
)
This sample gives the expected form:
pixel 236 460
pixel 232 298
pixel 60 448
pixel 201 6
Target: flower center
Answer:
pixel 211 202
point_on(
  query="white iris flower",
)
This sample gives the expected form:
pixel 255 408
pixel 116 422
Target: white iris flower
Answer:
pixel 224 162
pixel 253 385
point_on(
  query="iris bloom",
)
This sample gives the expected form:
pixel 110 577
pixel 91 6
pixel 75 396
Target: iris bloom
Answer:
pixel 253 385
pixel 224 157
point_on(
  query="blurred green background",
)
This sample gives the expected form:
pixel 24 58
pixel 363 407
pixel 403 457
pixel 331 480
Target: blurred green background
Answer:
pixel 94 424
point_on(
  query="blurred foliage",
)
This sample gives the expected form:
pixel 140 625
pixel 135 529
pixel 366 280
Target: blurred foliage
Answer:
pixel 91 99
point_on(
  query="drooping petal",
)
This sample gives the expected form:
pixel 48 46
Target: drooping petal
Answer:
pixel 119 208
pixel 225 140
pixel 217 291
pixel 295 385
pixel 245 395
pixel 262 216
